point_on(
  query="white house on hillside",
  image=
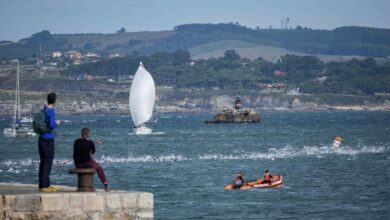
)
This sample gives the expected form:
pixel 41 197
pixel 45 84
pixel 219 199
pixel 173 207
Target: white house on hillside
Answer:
pixel 56 54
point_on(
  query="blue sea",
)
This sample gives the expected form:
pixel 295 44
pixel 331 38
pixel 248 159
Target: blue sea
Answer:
pixel 186 163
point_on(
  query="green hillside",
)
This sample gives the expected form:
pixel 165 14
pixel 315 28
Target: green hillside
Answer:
pixel 346 41
pixel 254 51
pixel 234 72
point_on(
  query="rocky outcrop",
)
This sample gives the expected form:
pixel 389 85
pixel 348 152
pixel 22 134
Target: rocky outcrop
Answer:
pixel 235 116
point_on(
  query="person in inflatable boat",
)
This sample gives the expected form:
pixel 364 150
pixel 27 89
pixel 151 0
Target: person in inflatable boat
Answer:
pixel 267 177
pixel 239 181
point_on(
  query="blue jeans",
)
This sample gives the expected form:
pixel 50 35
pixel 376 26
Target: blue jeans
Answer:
pixel 46 154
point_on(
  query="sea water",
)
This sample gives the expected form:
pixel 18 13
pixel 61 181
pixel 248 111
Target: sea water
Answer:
pixel 186 163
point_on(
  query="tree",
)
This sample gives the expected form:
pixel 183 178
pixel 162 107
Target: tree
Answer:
pixel 122 30
pixel 231 55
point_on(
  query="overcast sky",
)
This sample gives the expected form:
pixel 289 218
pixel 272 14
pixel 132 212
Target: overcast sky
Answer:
pixel 21 18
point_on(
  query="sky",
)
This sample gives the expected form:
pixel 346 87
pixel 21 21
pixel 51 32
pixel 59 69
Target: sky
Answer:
pixel 22 18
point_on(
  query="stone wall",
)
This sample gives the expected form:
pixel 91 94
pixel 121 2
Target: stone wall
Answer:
pixel 75 205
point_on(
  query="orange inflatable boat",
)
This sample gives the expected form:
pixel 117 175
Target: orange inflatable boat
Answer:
pixel 275 181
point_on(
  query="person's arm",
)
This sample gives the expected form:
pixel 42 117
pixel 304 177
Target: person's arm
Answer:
pixel 92 147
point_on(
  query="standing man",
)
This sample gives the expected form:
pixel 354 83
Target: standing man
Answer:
pixel 46 145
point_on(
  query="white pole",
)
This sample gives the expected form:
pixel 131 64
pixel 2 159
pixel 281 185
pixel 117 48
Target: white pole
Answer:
pixel 18 89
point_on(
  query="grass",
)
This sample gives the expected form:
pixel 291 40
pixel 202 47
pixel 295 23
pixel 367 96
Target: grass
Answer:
pixel 253 51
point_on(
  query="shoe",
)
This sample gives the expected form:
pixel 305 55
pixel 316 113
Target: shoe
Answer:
pixel 53 188
pixel 47 189
pixel 107 187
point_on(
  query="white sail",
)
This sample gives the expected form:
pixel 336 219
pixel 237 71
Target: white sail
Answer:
pixel 142 96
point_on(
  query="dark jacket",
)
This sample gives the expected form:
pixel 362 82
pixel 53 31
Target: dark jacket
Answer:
pixel 82 150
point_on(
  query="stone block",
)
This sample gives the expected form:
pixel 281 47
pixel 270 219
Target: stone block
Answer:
pixel 127 216
pixel 145 214
pixel 55 202
pixel 129 200
pixel 9 215
pixel 113 201
pixel 108 216
pixel 93 215
pixel 8 201
pixel 75 214
pixel 25 203
pixel 75 201
pixel 2 201
pixel 93 202
pixel 145 200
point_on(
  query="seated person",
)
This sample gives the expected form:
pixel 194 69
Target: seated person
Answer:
pixel 267 177
pixel 239 181
pixel 83 148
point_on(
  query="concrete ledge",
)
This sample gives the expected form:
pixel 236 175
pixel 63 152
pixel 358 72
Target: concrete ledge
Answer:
pixel 24 201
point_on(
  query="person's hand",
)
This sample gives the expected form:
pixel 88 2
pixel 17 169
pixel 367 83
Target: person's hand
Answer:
pixel 98 141
pixel 58 122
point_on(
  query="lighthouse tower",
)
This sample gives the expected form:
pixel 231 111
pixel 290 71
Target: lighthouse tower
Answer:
pixel 238 103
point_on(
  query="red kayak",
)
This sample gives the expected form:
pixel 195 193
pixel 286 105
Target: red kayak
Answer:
pixel 258 183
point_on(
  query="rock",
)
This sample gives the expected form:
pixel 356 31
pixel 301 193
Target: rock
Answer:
pixel 235 116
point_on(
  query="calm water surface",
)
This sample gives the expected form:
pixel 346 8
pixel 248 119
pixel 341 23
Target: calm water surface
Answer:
pixel 186 163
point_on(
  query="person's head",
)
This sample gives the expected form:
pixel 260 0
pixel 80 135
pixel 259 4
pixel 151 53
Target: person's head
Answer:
pixel 266 171
pixel 51 98
pixel 85 133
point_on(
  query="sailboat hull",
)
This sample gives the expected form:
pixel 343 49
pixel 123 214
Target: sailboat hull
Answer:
pixel 142 130
pixel 20 132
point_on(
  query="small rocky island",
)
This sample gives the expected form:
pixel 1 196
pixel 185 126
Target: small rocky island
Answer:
pixel 236 115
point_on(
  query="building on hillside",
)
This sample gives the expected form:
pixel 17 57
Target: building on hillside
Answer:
pixel 92 77
pixel 269 87
pixel 279 73
pixel 77 62
pixel 125 78
pixel 73 54
pixel 115 55
pixel 294 91
pixel 92 55
pixel 56 54
pixel 169 81
pixel 39 62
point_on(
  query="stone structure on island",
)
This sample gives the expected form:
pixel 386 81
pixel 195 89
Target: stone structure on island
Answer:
pixel 236 115
pixel 24 201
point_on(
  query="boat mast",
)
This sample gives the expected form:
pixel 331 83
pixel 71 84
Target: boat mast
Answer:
pixel 18 90
pixel 17 102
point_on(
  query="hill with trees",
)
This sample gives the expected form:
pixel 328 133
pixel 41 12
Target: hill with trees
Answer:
pixel 233 72
pixel 363 41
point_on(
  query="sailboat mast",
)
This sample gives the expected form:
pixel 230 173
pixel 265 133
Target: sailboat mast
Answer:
pixel 18 91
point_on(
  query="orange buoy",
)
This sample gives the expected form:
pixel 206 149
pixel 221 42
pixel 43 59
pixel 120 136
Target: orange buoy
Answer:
pixel 337 141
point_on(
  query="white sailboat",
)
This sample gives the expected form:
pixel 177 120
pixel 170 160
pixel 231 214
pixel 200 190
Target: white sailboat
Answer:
pixel 18 129
pixel 141 100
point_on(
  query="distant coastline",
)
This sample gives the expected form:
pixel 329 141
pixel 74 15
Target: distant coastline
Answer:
pixel 196 105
